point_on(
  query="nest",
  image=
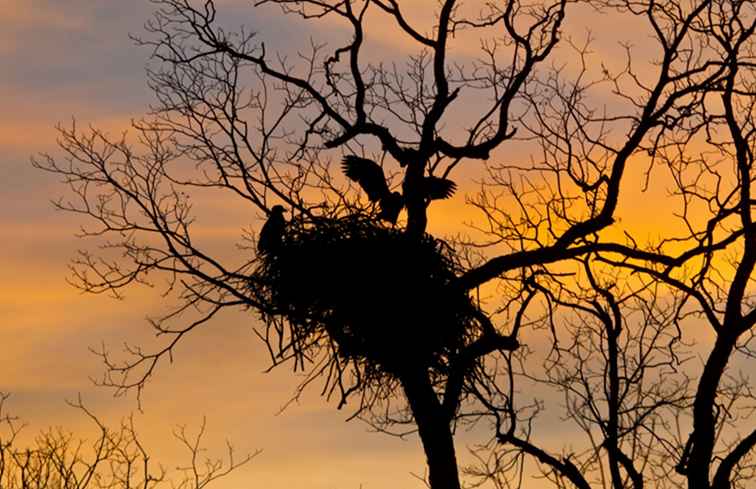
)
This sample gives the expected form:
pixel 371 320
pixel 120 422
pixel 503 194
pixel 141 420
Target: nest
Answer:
pixel 380 296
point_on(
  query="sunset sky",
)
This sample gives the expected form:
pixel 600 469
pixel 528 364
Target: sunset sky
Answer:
pixel 74 58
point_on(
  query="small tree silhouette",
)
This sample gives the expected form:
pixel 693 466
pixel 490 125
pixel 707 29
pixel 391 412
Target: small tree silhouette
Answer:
pixel 114 459
pixel 439 332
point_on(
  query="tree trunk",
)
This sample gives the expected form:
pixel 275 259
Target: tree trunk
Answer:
pixel 434 429
pixel 414 198
pixel 704 421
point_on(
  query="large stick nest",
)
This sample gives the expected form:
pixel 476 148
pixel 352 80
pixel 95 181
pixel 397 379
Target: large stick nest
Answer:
pixel 381 296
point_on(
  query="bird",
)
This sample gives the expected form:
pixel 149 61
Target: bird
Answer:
pixel 271 234
pixel 391 206
pixel 369 175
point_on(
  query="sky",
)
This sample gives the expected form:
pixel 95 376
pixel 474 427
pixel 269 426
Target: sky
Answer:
pixel 60 60
pixel 74 59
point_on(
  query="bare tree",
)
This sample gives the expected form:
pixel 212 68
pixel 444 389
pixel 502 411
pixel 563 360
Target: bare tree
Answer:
pixel 452 322
pixel 115 459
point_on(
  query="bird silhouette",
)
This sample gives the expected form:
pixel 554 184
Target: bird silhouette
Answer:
pixel 391 206
pixel 271 234
pixel 369 175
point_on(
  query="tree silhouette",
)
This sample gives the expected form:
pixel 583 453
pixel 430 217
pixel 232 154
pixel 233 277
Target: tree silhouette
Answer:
pixel 551 292
pixel 114 459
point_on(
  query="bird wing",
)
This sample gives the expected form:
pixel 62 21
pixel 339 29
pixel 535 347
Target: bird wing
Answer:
pixel 368 174
pixel 439 188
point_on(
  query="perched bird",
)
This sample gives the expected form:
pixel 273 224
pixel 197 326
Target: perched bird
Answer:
pixel 271 234
pixel 369 175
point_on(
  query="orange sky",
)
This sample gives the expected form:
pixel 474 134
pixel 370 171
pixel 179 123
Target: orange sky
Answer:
pixel 74 58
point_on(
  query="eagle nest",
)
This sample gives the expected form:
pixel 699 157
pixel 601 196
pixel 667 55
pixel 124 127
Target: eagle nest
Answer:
pixel 380 296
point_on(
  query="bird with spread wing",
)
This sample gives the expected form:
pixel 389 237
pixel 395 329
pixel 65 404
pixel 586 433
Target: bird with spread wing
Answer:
pixel 370 177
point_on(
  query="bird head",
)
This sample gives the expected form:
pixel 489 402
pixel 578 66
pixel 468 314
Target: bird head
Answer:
pixel 277 209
